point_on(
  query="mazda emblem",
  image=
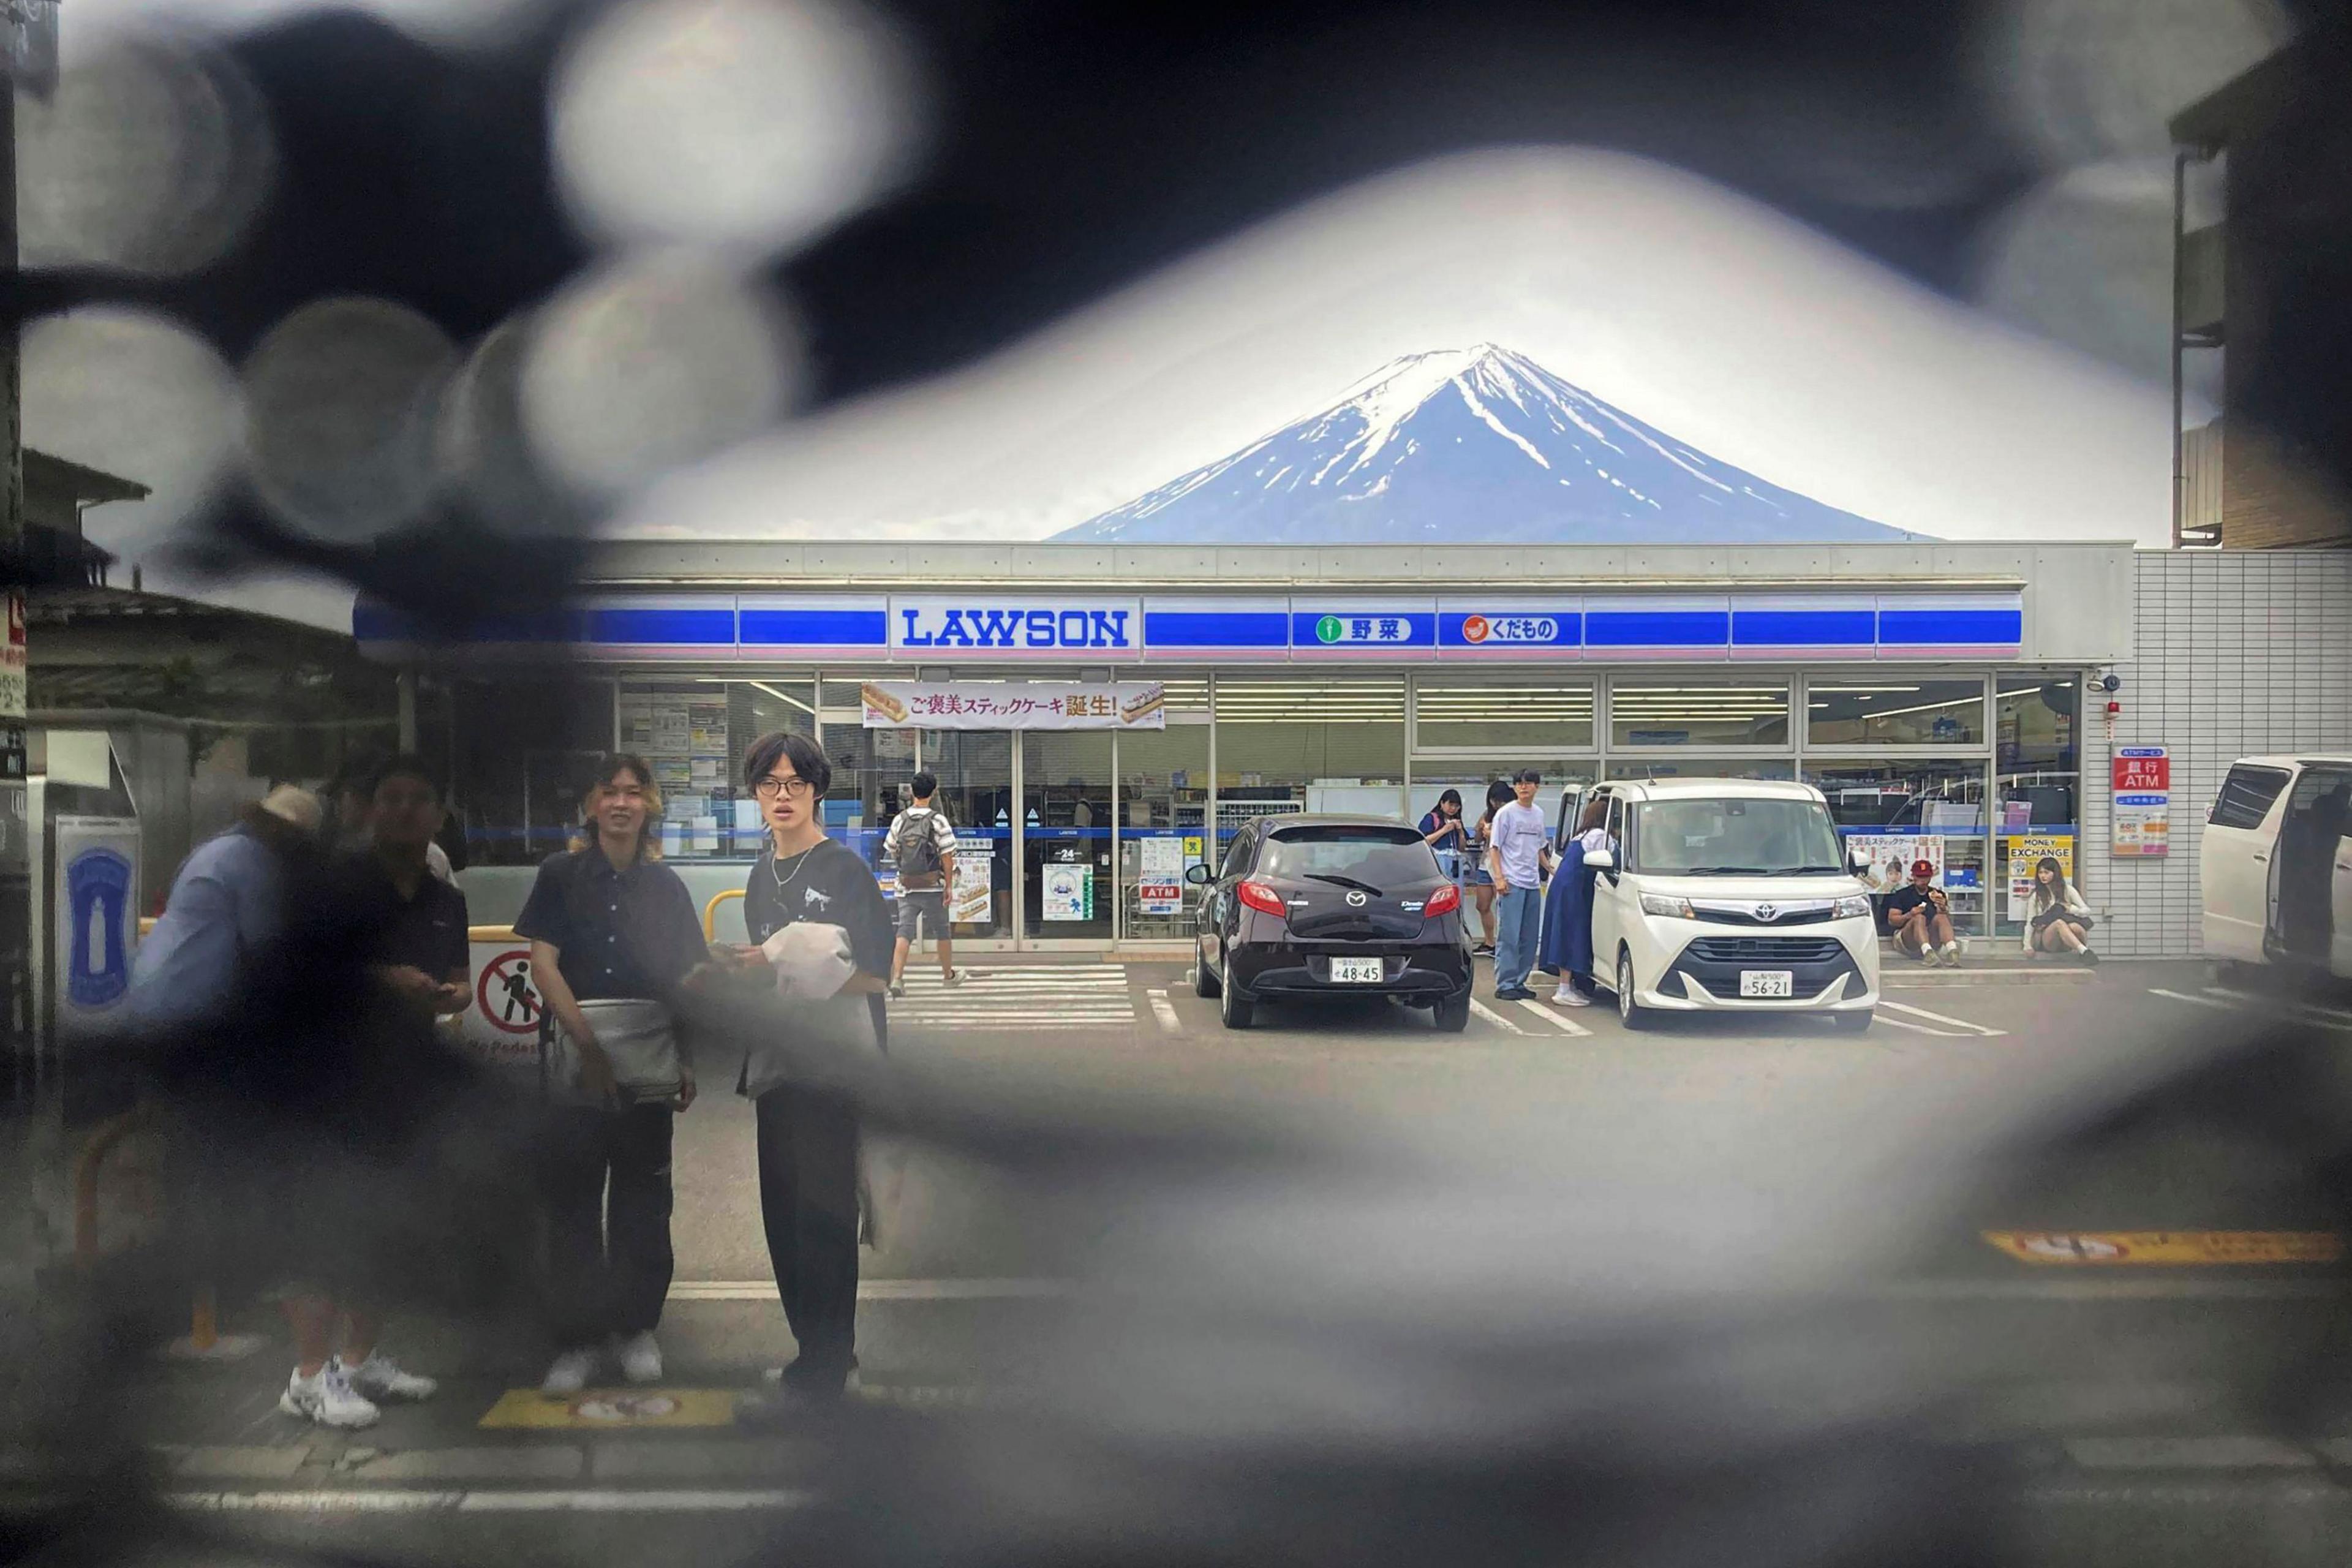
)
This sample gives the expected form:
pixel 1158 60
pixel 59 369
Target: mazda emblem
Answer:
pixel 1355 901
pixel 1768 913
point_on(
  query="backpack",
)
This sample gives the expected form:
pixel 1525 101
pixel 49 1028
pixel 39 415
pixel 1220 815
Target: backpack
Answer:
pixel 919 848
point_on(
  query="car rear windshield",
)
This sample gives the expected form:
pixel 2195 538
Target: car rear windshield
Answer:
pixel 1381 858
pixel 1735 837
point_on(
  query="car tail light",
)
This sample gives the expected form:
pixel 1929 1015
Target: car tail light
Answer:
pixel 1443 901
pixel 1263 898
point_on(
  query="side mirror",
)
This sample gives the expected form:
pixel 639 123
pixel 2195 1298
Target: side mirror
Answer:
pixel 1858 859
pixel 1599 860
pixel 1196 874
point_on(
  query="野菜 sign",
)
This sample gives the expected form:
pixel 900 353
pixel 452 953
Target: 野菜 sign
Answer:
pixel 1015 705
pixel 2142 780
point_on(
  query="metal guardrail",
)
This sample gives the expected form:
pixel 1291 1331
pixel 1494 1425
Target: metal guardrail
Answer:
pixel 710 912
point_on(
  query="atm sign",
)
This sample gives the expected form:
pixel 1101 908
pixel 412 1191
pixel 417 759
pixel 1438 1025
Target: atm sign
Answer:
pixel 1510 629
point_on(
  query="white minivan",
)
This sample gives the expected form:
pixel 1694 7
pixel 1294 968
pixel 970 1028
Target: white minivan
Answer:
pixel 2277 871
pixel 1729 895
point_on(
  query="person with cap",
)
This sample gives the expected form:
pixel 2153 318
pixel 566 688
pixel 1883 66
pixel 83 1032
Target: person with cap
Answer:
pixel 1919 918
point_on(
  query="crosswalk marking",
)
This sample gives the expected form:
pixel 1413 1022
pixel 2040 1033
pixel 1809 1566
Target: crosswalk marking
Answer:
pixel 1019 996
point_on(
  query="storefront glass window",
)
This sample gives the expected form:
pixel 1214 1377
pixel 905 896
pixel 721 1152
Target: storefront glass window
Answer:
pixel 974 770
pixel 1309 743
pixel 1700 768
pixel 523 751
pixel 692 734
pixel 1163 802
pixel 870 770
pixel 1066 821
pixel 1879 710
pixel 2037 720
pixel 1564 781
pixel 1528 711
pixel 1897 812
pixel 1698 713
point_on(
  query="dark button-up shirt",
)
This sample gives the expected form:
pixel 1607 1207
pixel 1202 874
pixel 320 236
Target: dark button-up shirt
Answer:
pixel 616 933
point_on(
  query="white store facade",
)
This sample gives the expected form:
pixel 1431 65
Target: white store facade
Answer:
pixel 1099 717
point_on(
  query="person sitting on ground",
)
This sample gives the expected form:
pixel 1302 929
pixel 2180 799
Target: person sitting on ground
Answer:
pixel 2059 918
pixel 1919 918
pixel 922 844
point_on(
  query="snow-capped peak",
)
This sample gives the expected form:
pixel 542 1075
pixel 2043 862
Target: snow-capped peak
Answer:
pixel 1471 443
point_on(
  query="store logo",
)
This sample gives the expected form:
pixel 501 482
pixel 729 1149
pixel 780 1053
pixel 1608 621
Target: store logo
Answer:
pixel 949 625
pixel 1510 628
pixel 1363 629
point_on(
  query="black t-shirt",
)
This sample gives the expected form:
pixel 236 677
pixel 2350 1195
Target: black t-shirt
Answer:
pixel 1902 901
pixel 829 885
pixel 426 930
pixel 617 934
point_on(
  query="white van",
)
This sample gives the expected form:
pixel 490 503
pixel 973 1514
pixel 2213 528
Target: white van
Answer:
pixel 2277 871
pixel 1729 895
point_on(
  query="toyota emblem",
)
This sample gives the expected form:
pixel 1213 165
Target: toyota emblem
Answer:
pixel 1768 913
pixel 1355 901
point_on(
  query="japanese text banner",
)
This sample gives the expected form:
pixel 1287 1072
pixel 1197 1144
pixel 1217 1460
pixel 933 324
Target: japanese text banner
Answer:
pixel 1015 705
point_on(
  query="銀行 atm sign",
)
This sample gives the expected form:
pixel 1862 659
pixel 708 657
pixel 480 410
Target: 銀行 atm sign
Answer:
pixel 2142 770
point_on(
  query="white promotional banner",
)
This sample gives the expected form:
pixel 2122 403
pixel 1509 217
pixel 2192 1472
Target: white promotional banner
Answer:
pixel 1015 705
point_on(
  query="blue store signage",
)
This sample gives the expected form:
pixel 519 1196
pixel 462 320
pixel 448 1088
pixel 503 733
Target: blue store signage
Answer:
pixel 979 621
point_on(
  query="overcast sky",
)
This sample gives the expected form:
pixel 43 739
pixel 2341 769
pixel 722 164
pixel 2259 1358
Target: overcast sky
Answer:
pixel 1758 340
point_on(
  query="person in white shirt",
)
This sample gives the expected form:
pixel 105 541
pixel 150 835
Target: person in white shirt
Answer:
pixel 922 844
pixel 1519 854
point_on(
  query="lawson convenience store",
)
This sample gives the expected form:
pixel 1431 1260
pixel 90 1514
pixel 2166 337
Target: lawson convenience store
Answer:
pixel 1100 718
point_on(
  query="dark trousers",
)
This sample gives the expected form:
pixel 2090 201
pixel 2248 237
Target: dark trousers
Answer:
pixel 608 1202
pixel 808 1204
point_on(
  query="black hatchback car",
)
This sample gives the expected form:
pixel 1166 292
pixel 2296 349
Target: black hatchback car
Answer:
pixel 1331 906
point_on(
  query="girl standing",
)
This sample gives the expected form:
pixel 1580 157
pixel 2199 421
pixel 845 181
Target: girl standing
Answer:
pixel 1475 880
pixel 1443 830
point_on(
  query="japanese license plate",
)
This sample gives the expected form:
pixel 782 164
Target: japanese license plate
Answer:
pixel 1767 982
pixel 1357 972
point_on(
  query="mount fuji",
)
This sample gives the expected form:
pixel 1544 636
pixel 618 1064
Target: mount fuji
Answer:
pixel 1472 446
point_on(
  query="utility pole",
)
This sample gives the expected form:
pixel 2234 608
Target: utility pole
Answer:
pixel 31 37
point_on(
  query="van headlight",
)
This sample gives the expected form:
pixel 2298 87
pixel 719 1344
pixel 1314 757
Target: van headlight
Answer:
pixel 1856 905
pixel 1671 908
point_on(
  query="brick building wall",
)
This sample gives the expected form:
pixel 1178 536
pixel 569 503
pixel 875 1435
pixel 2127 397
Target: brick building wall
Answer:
pixel 2236 655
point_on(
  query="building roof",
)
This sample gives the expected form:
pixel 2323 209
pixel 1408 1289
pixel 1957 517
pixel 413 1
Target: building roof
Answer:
pixel 89 487
pixel 2240 106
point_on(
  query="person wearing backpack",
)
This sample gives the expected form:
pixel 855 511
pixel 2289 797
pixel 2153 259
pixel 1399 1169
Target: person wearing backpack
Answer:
pixel 923 845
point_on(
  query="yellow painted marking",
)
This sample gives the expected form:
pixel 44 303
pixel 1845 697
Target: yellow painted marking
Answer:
pixel 611 1409
pixel 2103 1249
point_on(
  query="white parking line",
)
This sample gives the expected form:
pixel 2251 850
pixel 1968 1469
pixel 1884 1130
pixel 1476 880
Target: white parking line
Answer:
pixel 1568 1026
pixel 2311 1007
pixel 1165 1012
pixel 1961 1024
pixel 1919 1029
pixel 1494 1018
pixel 2257 1016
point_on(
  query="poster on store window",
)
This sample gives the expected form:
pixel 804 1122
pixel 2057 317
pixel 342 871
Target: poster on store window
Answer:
pixel 2024 854
pixel 1159 879
pixel 1068 892
pixel 972 900
pixel 1891 856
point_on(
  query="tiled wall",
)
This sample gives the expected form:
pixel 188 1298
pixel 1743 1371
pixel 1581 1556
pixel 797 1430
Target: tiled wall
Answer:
pixel 2240 653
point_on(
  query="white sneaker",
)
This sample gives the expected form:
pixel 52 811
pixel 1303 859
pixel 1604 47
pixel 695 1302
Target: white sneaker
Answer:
pixel 327 1397
pixel 1570 996
pixel 571 1372
pixel 380 1378
pixel 640 1356
pixel 1951 955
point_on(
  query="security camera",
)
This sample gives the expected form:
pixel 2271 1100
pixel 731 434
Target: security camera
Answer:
pixel 2109 683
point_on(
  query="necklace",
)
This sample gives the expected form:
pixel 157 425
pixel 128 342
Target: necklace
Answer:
pixel 782 882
